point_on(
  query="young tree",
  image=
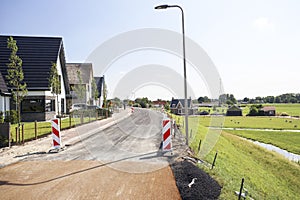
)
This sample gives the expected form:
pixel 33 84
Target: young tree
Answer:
pixel 55 83
pixel 80 88
pixel 15 76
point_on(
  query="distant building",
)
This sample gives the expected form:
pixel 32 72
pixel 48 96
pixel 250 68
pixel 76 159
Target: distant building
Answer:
pixel 268 110
pixel 234 111
pixel 37 54
pixel 86 73
pixel 159 103
pixel 177 106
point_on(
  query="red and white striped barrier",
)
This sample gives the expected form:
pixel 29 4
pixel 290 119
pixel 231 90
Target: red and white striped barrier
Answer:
pixel 132 110
pixel 56 134
pixel 166 135
pixel 162 109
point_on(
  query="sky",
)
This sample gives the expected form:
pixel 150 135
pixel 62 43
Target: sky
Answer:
pixel 253 44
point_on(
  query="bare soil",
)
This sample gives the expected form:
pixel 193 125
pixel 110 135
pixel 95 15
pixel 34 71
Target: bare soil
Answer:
pixel 83 180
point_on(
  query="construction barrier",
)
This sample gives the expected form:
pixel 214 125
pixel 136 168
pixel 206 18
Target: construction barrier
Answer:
pixel 166 135
pixel 56 134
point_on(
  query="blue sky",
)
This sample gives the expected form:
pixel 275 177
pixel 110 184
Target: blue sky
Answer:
pixel 254 44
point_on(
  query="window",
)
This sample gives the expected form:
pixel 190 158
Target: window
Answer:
pixel 33 105
pixel 49 105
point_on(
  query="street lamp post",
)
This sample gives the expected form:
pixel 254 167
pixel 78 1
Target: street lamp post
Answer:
pixel 184 69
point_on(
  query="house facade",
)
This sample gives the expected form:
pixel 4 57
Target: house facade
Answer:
pixel 38 54
pixel 80 76
pixel 4 97
pixel 177 106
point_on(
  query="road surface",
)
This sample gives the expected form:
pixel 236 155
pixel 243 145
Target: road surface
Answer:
pixel 122 161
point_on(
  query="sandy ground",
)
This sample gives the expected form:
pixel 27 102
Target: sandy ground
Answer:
pixel 83 180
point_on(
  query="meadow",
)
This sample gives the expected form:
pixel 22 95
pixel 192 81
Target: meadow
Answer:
pixel 267 174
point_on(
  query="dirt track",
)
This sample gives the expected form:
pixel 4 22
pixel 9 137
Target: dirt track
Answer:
pixel 83 180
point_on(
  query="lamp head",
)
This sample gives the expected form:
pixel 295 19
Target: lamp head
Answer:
pixel 161 7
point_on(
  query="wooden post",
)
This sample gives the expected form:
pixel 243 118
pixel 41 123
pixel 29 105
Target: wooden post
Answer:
pixel 59 123
pixel 16 135
pixel 213 164
pixel 35 129
pixel 22 133
pixel 199 145
pixel 241 189
pixel 19 133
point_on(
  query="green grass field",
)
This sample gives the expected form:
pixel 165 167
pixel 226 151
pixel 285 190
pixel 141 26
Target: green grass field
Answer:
pixel 254 122
pixel 289 141
pixel 267 174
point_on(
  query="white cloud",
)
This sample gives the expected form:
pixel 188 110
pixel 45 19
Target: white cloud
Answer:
pixel 263 23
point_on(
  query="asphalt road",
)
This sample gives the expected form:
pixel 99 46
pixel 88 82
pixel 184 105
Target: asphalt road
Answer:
pixel 122 161
pixel 136 139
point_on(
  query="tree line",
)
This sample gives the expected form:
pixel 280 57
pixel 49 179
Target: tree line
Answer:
pixel 230 99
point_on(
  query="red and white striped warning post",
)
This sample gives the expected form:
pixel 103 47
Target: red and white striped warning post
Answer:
pixel 56 134
pixel 132 110
pixel 162 108
pixel 166 135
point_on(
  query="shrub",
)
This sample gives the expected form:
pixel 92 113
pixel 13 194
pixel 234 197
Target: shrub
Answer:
pixel 11 116
pixel 1 117
pixel 284 114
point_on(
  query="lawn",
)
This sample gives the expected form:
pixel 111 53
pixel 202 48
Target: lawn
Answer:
pixel 267 175
pixel 253 122
pixel 44 128
pixel 289 141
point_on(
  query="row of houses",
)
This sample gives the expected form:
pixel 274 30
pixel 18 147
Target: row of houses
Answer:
pixel 38 54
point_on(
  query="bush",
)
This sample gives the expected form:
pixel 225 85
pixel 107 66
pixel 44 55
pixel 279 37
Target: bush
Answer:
pixel 1 117
pixel 284 114
pixel 11 116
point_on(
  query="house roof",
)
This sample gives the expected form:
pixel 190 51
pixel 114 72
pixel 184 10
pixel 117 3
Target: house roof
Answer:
pixel 234 108
pixel 176 101
pixel 268 108
pixel 37 54
pixel 3 87
pixel 99 83
pixel 86 72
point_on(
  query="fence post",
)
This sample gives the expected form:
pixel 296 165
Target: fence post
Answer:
pixel 199 145
pixel 19 133
pixel 60 123
pixel 241 189
pixel 16 135
pixel 22 133
pixel 35 129
pixel 213 164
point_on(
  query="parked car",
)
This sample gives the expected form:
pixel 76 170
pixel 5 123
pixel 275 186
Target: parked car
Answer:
pixel 78 106
pixel 93 107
